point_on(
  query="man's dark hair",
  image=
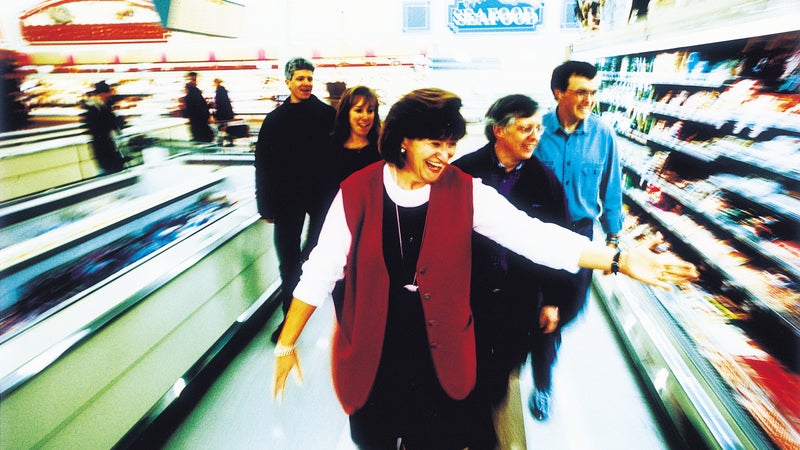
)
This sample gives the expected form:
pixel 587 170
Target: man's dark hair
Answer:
pixel 297 63
pixel 561 74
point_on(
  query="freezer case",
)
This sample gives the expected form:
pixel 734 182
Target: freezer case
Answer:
pixel 116 290
pixel 718 368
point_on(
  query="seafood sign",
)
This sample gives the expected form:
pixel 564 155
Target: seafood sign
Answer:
pixel 494 15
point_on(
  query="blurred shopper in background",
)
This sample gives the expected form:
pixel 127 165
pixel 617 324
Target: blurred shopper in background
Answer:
pixel 292 172
pixel 514 301
pixel 399 233
pixel 103 124
pixel 223 110
pixel 195 108
pixel 14 113
pixel 582 152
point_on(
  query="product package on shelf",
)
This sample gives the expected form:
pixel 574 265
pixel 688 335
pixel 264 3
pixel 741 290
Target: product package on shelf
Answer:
pixel 709 140
pixel 717 322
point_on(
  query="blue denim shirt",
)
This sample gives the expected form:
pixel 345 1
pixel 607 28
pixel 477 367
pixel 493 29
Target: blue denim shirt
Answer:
pixel 587 164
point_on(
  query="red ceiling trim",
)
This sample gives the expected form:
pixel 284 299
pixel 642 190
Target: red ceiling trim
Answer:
pixel 95 33
pixel 53 3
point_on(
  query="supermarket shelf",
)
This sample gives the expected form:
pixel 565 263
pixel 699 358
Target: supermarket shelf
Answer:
pixel 692 394
pixel 139 336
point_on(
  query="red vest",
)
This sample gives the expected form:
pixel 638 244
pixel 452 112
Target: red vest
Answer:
pixel 443 276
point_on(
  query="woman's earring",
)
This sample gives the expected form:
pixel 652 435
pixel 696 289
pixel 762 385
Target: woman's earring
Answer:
pixel 402 150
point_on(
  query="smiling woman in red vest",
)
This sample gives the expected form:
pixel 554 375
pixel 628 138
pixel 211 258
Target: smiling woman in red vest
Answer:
pixel 399 234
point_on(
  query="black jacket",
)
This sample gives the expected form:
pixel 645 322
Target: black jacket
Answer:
pixel 101 122
pixel 292 157
pixel 539 194
pixel 195 106
pixel 222 104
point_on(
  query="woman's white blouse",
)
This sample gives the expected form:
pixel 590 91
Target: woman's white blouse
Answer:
pixel 493 217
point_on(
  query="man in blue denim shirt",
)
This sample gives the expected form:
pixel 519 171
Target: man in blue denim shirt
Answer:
pixel 582 152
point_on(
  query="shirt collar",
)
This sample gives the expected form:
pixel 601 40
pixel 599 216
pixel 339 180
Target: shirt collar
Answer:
pixel 403 197
pixel 550 121
pixel 499 165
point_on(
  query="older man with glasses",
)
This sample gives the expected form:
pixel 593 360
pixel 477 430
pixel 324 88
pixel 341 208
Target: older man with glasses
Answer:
pixel 582 152
pixel 515 302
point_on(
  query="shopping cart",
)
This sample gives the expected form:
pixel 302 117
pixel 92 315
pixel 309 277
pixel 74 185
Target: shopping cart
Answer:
pixel 231 130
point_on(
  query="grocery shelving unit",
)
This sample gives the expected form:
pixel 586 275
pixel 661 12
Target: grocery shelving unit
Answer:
pixel 709 122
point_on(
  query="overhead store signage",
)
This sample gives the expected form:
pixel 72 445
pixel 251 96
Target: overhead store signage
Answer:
pixel 211 17
pixel 494 15
pixel 91 22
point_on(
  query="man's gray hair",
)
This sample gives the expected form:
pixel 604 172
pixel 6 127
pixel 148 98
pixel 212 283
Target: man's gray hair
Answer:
pixel 297 63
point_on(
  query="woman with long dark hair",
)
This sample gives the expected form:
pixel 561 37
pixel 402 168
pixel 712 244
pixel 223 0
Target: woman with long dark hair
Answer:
pixel 354 140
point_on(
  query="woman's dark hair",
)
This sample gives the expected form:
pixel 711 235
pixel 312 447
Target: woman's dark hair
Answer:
pixel 429 113
pixel 504 110
pixel 561 74
pixel 351 97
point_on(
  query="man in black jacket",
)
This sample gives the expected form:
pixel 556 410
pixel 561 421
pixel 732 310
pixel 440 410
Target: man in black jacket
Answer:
pixel 291 169
pixel 195 108
pixel 516 303
pixel 103 123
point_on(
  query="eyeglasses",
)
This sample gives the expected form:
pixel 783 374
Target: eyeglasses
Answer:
pixel 527 130
pixel 583 94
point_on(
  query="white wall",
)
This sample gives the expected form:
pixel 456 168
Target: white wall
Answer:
pixel 335 28
pixel 343 27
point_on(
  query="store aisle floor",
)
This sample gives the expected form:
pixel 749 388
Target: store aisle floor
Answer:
pixel 597 403
pixel 238 411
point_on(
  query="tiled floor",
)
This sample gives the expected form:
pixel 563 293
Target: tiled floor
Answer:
pixel 597 404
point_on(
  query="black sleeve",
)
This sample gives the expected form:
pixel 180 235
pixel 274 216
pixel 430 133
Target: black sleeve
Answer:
pixel 264 162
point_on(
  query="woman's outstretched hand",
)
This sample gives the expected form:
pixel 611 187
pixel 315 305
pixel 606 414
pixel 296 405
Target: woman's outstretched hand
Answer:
pixel 283 366
pixel 656 269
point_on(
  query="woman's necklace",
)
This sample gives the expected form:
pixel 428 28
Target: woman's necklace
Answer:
pixel 411 287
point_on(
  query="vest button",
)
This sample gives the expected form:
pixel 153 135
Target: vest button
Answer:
pixel 434 346
pixel 431 323
pixel 426 297
pixel 423 270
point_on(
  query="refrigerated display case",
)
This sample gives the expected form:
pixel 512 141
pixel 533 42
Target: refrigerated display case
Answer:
pixel 39 159
pixel 255 86
pixel 708 117
pixel 116 290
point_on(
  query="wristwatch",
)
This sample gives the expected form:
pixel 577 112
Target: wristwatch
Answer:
pixel 615 262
